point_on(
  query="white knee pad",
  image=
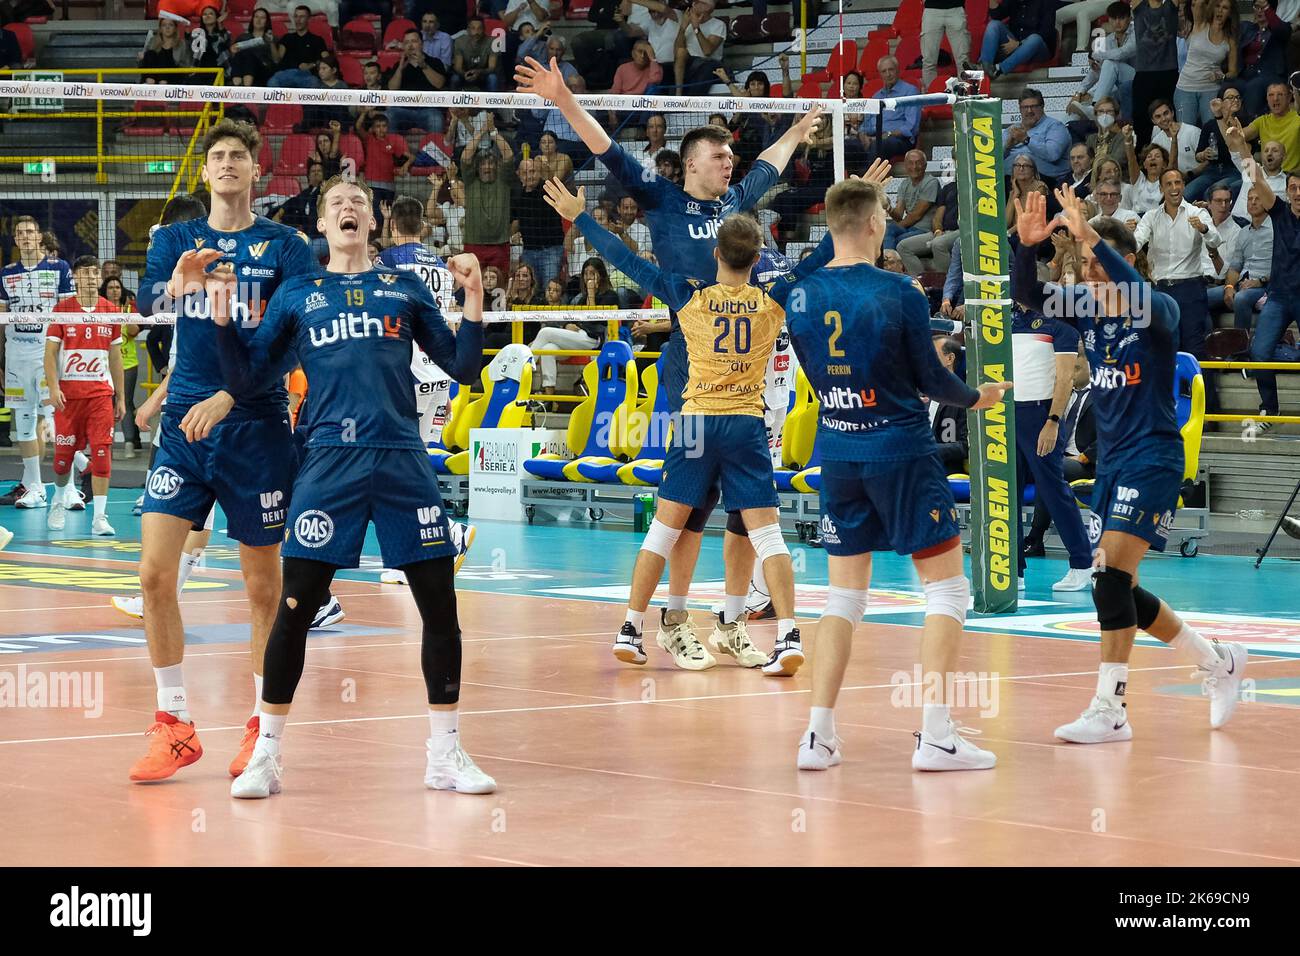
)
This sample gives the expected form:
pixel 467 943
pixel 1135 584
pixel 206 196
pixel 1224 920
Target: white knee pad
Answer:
pixel 845 603
pixel 949 596
pixel 768 542
pixel 24 420
pixel 660 539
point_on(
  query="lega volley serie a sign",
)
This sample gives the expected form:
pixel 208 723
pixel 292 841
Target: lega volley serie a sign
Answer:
pixel 981 205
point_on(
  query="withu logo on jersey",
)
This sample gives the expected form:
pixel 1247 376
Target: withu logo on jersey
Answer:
pixel 846 398
pixel 349 325
pixel 1113 378
pixel 704 230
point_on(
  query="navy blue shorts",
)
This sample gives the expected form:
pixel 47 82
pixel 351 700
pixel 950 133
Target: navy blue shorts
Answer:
pixel 246 466
pixel 341 490
pixel 1138 499
pixel 676 371
pixel 708 449
pixel 904 507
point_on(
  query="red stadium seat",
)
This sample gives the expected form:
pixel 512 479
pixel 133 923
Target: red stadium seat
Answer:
pixel 350 68
pixel 395 30
pixel 293 155
pixel 240 8
pixel 357 34
pixel 279 24
pixel 281 117
pixel 350 147
pixel 842 59
pixel 943 112
pixel 578 9
pixel 321 27
pixel 283 186
pixel 147 125
pixel 26 42
pixel 389 59
pixel 266 157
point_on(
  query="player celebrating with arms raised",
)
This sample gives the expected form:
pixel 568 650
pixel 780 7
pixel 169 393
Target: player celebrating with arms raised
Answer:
pixel 863 339
pixel 1130 332
pixel 352 329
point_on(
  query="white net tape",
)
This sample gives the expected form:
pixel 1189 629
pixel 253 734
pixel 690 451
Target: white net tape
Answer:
pixel 169 318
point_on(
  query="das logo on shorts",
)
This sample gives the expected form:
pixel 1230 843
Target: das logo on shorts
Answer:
pixel 313 529
pixel 164 483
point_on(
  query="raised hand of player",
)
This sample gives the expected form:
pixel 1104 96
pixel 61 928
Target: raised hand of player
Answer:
pixel 1031 219
pixel 1075 216
pixel 206 415
pixel 990 395
pixel 191 271
pixel 532 77
pixel 880 172
pixel 467 272
pixel 567 204
pixel 810 125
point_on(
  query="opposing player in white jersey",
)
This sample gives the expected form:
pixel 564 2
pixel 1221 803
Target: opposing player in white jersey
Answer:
pixel 432 385
pixel 32 284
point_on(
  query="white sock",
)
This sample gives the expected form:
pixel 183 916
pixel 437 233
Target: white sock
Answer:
pixel 270 730
pixel 80 461
pixel 171 691
pixel 676 602
pixel 935 721
pixel 637 618
pixel 821 721
pixel 784 627
pixel 733 607
pixel 188 563
pixel 443 729
pixel 1112 681
pixel 257 694
pixel 31 471
pixel 1195 647
pixel 101 505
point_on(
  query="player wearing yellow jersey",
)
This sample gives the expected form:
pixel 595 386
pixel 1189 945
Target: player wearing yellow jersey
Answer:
pixel 730 328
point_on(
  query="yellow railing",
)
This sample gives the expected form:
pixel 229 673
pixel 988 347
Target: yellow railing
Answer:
pixel 1254 417
pixel 205 116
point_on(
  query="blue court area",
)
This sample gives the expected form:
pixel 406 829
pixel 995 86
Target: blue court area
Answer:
pixel 1223 596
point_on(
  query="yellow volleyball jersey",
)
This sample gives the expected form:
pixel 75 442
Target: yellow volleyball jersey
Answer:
pixel 730 332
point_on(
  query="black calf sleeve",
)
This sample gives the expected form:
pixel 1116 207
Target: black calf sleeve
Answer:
pixel 1148 607
pixel 699 517
pixel 306 586
pixel 433 585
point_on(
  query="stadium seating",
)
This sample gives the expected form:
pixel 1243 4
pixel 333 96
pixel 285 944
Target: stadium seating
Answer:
pixel 458 398
pixel 292 160
pixel 507 386
pixel 281 118
pixel 396 28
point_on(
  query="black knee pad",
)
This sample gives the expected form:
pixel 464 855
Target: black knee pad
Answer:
pixel 1112 593
pixel 1147 606
pixel 433 586
pixel 700 516
pixel 736 524
pixel 306 586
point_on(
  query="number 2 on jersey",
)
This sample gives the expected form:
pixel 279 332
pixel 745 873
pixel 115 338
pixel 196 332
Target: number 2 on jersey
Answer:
pixel 723 323
pixel 833 350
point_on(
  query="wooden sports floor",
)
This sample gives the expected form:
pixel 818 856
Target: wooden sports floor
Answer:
pixel 600 763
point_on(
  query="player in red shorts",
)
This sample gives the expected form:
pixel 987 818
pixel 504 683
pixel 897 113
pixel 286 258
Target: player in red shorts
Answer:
pixel 83 366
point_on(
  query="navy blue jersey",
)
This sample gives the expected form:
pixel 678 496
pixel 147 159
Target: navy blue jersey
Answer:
pixel 683 229
pixel 1285 277
pixel 1133 359
pixel 352 334
pixel 264 255
pixel 862 337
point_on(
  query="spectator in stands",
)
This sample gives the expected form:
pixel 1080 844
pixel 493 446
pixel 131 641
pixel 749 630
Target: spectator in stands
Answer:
pixel 1213 151
pixel 657 23
pixel 523 290
pixel 1019 32
pixel 1178 139
pixel 754 132
pixel 1211 58
pixel 940 18
pixel 1106 76
pixel 1146 193
pixel 1263 44
pixel 1083 13
pixel 594 292
pixel 948 422
pixel 1273 158
pixel 417 73
pixel 1107 194
pixel 936 244
pixel 210 44
pixel 474 63
pixel 1044 138
pixel 300 211
pixel 489 177
pixel 917 195
pixel 819 156
pixel 1174 232
pixel 298 53
pixel 634 76
pixel 463 125
pixel 372 80
pixel 386 157
pixel 891 261
pixel 445 211
pixel 1079 433
pixel 252 59
pixel 558 165
pixel 1282 306
pixel 898 127
pixel 115 292
pixel 536 226
pixel 575 335
pixel 1249 262
pixel 555 295
pixel 656 141
pixel 327 152
pixel 1220 206
pixel 519 12
pixel 668 164
pixel 698 49
pixel 166 48
pixel 329 76
pixel 577 251
pixel 1280 123
pixel 1080 175
pixel 1151 48
pixel 1024 180
pixel 435 42
pixel 1112 141
pixel 597 51
pixel 567 140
